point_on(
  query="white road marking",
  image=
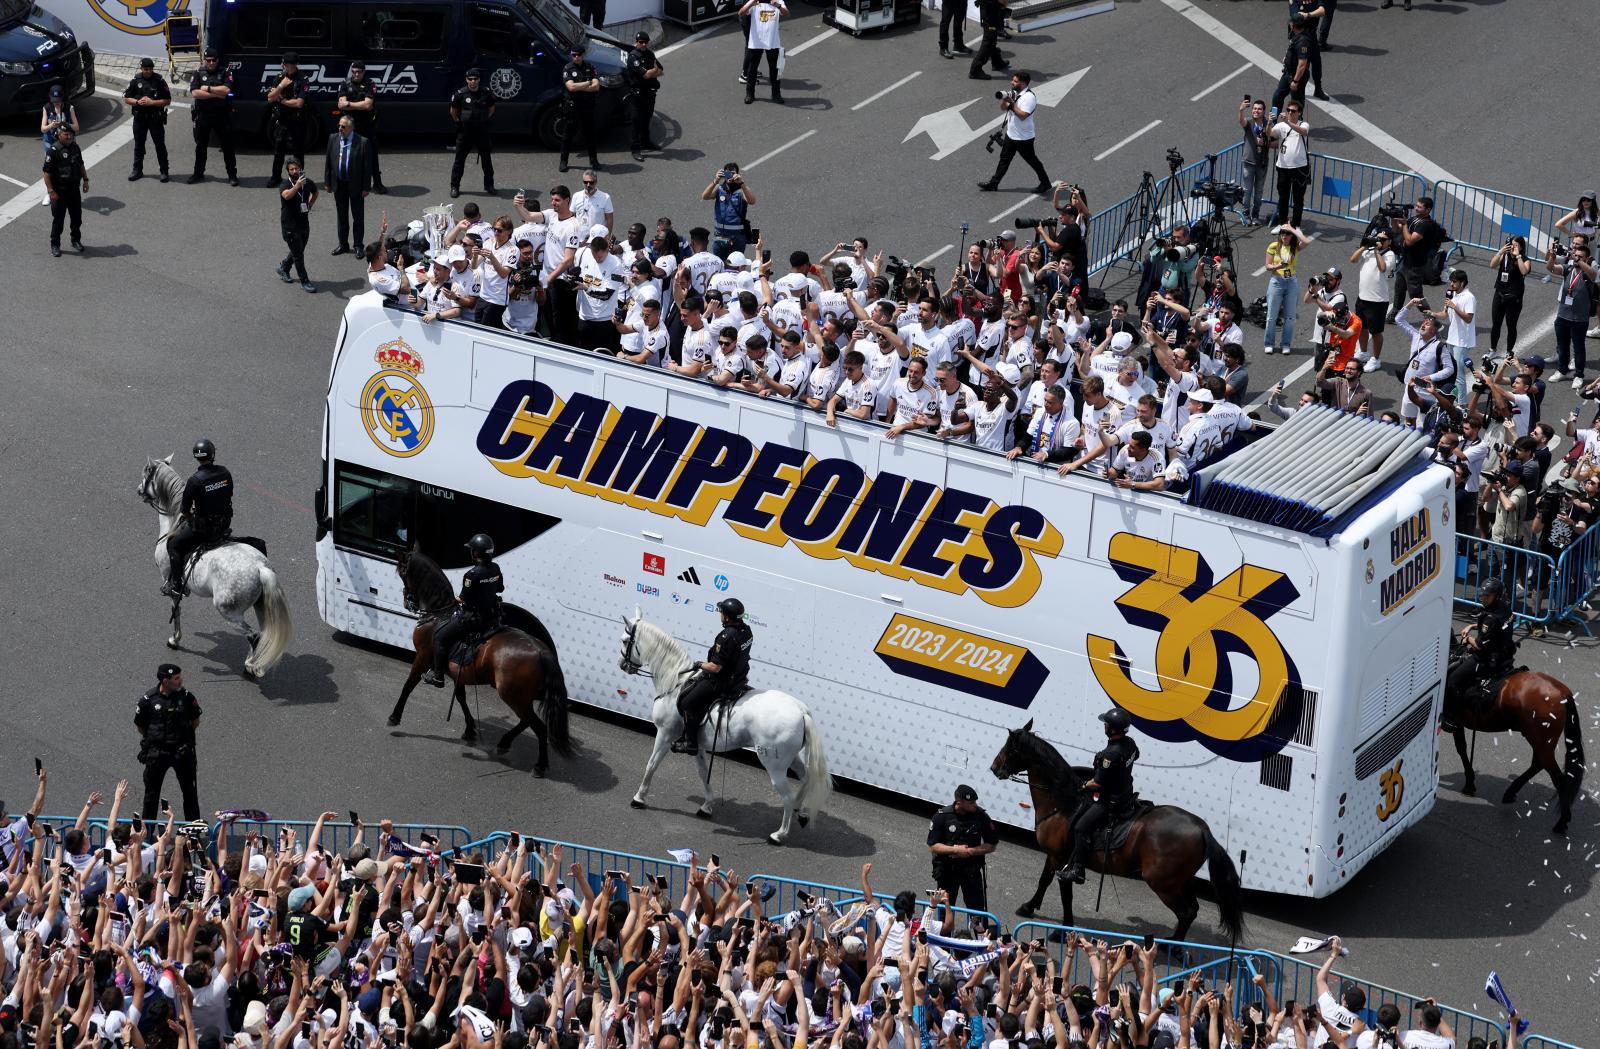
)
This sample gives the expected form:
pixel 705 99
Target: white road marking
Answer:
pixel 14 181
pixel 819 38
pixel 1357 208
pixel 691 38
pixel 1148 127
pixel 102 147
pixel 927 259
pixel 1219 83
pixel 1018 206
pixel 1263 269
pixel 106 91
pixel 948 127
pixel 768 156
pixel 865 102
pixel 1287 380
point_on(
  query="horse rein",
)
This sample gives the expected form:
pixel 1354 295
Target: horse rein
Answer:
pixel 631 665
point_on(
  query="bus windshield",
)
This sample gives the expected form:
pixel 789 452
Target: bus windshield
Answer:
pixel 555 15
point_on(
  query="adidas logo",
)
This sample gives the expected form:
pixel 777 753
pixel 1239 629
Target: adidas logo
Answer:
pixel 689 575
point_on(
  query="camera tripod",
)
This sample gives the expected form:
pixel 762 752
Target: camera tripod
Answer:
pixel 1145 216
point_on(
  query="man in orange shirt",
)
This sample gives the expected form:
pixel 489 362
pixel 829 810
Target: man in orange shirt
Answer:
pixel 1343 330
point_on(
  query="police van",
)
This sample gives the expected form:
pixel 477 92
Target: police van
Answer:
pixel 1278 635
pixel 37 52
pixel 417 54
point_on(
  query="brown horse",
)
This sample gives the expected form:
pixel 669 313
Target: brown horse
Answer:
pixel 1165 846
pixel 519 663
pixel 1543 710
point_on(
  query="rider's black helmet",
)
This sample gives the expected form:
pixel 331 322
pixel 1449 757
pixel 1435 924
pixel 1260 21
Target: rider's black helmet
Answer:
pixel 1117 719
pixel 481 545
pixel 1491 588
pixel 204 450
pixel 731 606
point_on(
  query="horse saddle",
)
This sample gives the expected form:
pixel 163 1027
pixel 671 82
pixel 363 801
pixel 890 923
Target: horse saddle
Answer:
pixel 1111 835
pixel 465 651
pixel 213 542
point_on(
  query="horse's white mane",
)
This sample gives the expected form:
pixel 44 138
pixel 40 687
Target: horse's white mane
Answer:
pixel 655 644
pixel 167 485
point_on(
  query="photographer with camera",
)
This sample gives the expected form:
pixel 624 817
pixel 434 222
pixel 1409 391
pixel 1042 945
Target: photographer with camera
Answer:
pixel 1418 237
pixel 731 199
pixel 1429 359
pixel 1325 292
pixel 1513 403
pixel 1573 305
pixel 1172 263
pixel 298 195
pixel 1373 290
pixel 1512 266
pixel 1288 138
pixel 1018 104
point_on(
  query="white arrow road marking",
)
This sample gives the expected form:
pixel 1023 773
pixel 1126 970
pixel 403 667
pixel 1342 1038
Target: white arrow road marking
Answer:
pixel 949 129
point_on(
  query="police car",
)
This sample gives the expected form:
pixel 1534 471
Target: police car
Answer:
pixel 417 53
pixel 37 52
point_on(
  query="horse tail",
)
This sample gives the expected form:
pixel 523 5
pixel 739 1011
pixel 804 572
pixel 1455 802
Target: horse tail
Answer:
pixel 1574 762
pixel 553 706
pixel 273 612
pixel 814 793
pixel 1225 883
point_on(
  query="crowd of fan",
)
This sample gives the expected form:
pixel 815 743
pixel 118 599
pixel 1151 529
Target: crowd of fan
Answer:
pixel 164 939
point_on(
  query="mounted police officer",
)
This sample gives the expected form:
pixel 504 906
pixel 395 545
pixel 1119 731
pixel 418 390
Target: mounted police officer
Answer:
pixel 286 117
pixel 166 719
pixel 472 107
pixel 1491 645
pixel 206 514
pixel 478 608
pixel 148 96
pixel 959 838
pixel 211 107
pixel 1110 790
pixel 724 673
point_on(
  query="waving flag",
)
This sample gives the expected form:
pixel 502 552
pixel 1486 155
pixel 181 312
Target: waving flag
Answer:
pixel 1497 990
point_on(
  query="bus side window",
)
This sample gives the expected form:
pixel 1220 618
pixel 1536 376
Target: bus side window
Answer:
pixel 374 511
pixel 247 29
pixel 412 30
pixel 495 32
pixel 308 28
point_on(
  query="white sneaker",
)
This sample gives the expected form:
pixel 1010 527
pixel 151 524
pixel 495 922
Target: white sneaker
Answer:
pixel 1372 365
pixel 1266 349
pixel 1577 383
pixel 1286 350
pixel 1558 376
pixel 44 201
pixel 1594 332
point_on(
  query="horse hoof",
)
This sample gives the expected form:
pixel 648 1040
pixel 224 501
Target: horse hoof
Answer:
pixel 248 674
pixel 1469 788
pixel 394 719
pixel 1508 798
pixel 704 814
pixel 172 643
pixel 539 770
pixel 635 803
pixel 804 821
pixel 1027 910
pixel 469 736
pixel 773 839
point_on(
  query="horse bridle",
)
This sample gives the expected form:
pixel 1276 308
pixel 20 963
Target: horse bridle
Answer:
pixel 632 665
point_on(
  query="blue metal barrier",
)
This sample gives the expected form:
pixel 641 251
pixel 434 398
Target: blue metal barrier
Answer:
pixel 593 862
pixel 1176 960
pixel 1484 218
pixel 1109 243
pixel 1577 574
pixel 336 836
pixel 1539 1041
pixel 1528 575
pixel 786 899
pixel 1349 189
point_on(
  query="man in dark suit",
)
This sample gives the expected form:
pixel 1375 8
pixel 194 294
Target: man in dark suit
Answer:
pixel 347 174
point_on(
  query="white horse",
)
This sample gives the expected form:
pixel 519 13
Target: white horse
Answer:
pixel 774 724
pixel 235 576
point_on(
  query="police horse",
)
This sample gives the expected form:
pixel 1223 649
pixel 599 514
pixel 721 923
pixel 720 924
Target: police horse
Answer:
pixel 774 724
pixel 1162 844
pixel 234 574
pixel 518 660
pixel 1537 706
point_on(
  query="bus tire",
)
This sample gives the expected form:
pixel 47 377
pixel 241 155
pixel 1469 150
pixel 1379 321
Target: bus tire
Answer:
pixel 550 125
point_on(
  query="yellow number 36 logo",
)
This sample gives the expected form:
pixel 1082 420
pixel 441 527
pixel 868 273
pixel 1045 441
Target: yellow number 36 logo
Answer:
pixel 1393 785
pixel 1200 622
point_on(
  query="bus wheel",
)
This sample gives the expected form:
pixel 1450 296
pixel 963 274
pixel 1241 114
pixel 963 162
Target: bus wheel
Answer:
pixel 550 125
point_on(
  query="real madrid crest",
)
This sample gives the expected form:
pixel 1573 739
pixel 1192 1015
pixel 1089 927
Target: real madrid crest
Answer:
pixel 395 409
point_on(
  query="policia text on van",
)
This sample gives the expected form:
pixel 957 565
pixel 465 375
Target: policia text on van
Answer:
pixel 37 52
pixel 417 53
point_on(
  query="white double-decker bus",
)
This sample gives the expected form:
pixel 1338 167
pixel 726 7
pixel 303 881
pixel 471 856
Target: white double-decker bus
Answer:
pixel 925 597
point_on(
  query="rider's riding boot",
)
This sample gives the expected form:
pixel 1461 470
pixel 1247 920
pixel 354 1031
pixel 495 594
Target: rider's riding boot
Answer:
pixel 1072 872
pixel 173 588
pixel 688 743
pixel 434 677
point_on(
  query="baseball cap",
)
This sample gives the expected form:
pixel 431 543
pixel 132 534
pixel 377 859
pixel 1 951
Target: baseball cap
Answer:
pixel 966 793
pixel 1122 341
pixel 56 92
pixel 642 35
pixel 1008 234
pixel 211 52
pixel 440 258
pixel 1335 273
pixel 457 253
pixel 254 1013
pixel 366 870
pixel 474 72
pixel 1009 372
pixel 300 897
pixel 1534 361
pixel 599 230
pixel 737 259
pixel 147 63
pixel 1203 395
pixel 258 863
pixel 577 48
pixel 522 937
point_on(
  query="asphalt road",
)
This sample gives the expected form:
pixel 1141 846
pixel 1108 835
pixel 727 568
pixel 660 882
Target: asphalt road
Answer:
pixel 174 326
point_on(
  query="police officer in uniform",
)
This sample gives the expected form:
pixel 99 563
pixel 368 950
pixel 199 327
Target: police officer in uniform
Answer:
pixel 472 107
pixel 582 84
pixel 206 512
pixel 148 96
pixel 166 719
pixel 1110 790
pixel 992 17
pixel 644 75
pixel 959 838
pixel 1491 645
pixel 286 117
pixel 478 608
pixel 210 91
pixel 724 672
pixel 359 102
pixel 66 180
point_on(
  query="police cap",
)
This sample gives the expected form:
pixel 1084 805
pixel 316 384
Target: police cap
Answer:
pixel 641 37
pixel 1492 587
pixel 1117 719
pixel 474 73
pixel 291 58
pixel 167 670
pixel 731 606
pixel 211 52
pixel 147 63
pixel 966 793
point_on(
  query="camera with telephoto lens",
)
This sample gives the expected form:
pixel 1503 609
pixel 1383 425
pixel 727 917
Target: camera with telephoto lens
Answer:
pixel 1049 223
pixel 1392 209
pixel 1558 249
pixel 1007 97
pixel 993 141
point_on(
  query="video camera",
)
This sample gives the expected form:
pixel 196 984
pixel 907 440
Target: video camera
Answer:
pixel 1391 209
pixel 1220 194
pixel 1174 159
pixel 896 268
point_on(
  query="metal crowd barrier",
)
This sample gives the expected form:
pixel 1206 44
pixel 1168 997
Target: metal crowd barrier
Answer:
pixel 1577 574
pixel 1176 960
pixel 1539 1041
pixel 337 836
pixel 594 862
pixel 1529 576
pixel 1484 218
pixel 786 898
pixel 1110 244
